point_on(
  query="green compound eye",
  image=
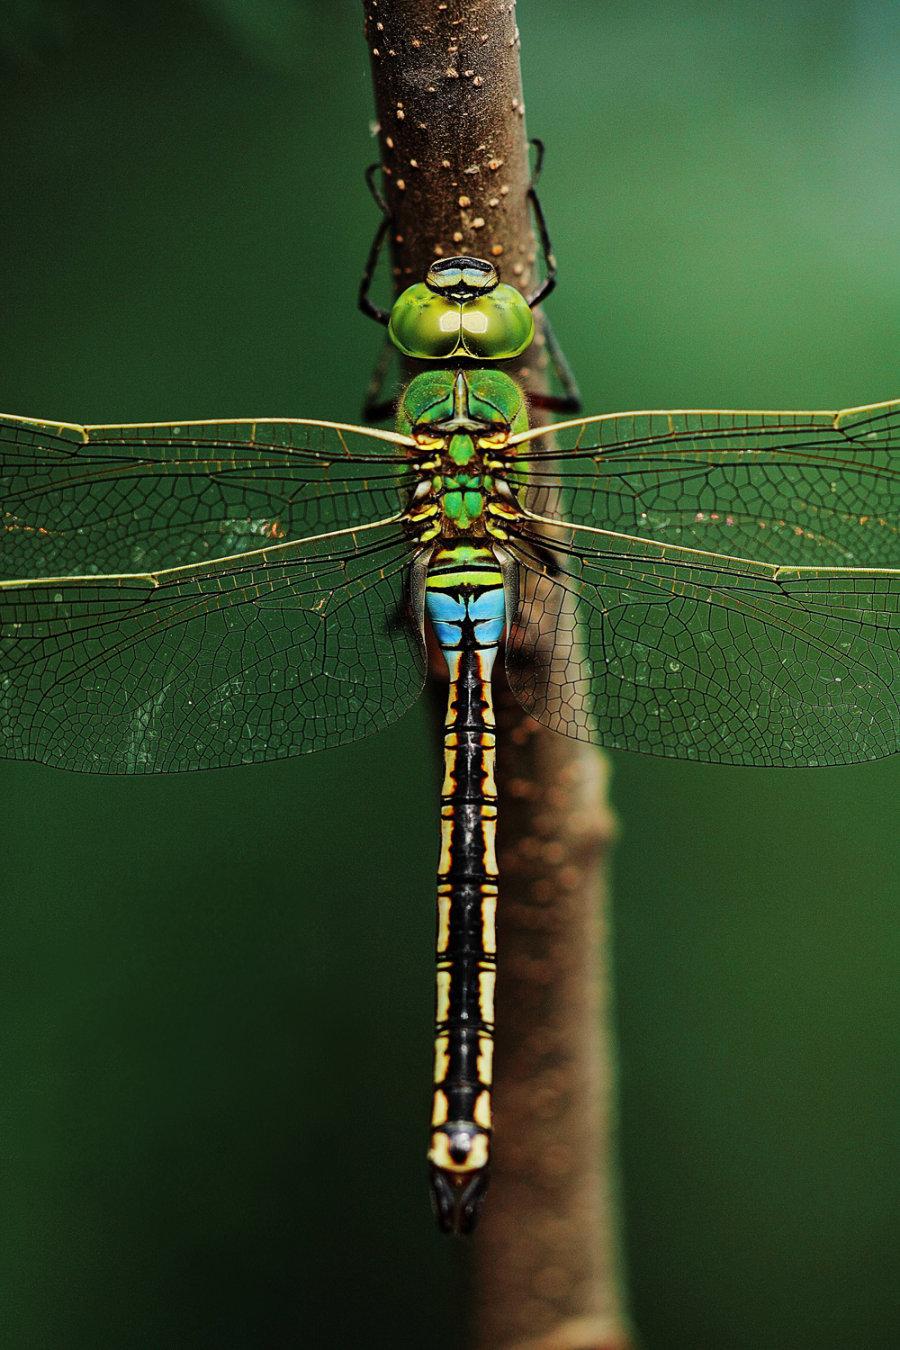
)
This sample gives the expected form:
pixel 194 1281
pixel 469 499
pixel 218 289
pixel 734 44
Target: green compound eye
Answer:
pixel 461 310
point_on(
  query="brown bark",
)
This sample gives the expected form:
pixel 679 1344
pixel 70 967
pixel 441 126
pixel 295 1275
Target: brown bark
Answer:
pixel 451 119
pixel 455 169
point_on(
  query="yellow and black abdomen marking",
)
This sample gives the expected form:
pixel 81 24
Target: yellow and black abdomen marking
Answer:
pixel 465 603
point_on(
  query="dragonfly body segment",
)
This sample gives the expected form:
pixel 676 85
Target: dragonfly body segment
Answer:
pixel 461 423
pixel 465 603
pixel 710 585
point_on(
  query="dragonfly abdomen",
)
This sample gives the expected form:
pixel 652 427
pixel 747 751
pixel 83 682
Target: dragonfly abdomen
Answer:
pixel 465 603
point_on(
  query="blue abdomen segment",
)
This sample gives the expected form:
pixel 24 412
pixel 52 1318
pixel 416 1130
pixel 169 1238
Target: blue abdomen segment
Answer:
pixel 464 599
pixel 484 609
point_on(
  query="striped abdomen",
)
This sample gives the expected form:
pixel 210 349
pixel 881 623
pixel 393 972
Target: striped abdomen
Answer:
pixel 465 603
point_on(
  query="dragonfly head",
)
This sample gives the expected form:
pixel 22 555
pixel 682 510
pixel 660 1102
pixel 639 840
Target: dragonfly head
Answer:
pixel 462 308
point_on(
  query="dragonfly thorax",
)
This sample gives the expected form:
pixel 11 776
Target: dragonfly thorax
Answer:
pixel 461 423
pixel 461 309
pixel 441 402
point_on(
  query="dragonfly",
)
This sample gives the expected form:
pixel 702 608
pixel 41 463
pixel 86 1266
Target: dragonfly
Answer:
pixel 716 586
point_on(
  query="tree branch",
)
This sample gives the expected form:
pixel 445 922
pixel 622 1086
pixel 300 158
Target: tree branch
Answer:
pixel 451 119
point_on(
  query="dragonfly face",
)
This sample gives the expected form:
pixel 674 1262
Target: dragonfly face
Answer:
pixel 462 309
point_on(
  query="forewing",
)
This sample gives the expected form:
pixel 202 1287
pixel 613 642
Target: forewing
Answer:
pixel 810 489
pixel 101 499
pixel 693 655
pixel 291 648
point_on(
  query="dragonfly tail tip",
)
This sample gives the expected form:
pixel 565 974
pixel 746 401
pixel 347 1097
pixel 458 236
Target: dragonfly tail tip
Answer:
pixel 457 1199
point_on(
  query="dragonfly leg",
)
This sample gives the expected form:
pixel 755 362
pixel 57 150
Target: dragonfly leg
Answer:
pixel 366 304
pixel 377 408
pixel 569 401
pixel 546 285
pixel 465 602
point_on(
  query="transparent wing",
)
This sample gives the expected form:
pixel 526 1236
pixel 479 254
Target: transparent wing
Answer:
pixel 695 655
pixel 289 648
pixel 135 498
pixel 810 489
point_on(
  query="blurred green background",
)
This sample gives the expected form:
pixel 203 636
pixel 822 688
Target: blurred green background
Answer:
pixel 211 1137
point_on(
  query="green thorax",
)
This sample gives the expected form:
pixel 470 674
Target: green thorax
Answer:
pixel 461 420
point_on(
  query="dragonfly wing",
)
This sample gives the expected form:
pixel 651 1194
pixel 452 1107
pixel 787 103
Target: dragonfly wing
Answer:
pixel 291 648
pixel 136 498
pixel 811 489
pixel 694 655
